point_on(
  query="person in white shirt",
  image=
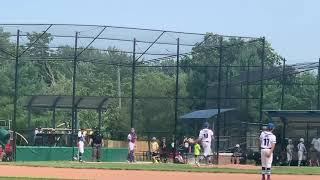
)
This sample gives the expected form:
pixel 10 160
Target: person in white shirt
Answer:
pixel 289 149
pixel 81 141
pixel 301 151
pixel 132 138
pixel 267 144
pixel 205 137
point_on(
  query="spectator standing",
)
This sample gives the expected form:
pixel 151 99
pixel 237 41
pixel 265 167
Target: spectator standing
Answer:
pixel 1 153
pixel 132 138
pixel 8 151
pixel 163 150
pixel 186 145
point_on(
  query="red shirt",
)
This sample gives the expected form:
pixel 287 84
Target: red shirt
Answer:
pixel 8 148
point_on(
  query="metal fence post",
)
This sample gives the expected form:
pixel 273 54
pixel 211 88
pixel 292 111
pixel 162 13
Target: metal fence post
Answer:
pixel 15 99
pixel 74 93
pixel 283 83
pixel 176 97
pixel 318 90
pixel 133 85
pixel 262 80
pixel 219 97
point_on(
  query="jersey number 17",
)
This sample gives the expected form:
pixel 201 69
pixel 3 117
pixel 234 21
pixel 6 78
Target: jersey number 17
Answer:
pixel 266 142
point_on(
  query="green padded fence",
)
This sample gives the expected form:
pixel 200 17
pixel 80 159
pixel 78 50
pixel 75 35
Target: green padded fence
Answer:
pixel 35 153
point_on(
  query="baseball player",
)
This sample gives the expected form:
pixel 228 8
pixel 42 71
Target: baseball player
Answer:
pixel 301 151
pixel 205 137
pixel 267 144
pixel 81 140
pixel 289 149
pixel 132 138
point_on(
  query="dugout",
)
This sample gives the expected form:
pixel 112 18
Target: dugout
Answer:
pixel 53 102
pixel 295 124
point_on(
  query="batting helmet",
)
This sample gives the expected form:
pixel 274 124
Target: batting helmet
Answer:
pixel 206 125
pixel 270 126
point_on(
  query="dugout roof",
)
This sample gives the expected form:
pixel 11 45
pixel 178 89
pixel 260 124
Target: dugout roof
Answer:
pixel 295 116
pixel 204 114
pixel 65 102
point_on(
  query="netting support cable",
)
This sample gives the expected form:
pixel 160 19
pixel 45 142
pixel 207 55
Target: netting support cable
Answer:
pixel 38 38
pixel 92 41
pixel 151 45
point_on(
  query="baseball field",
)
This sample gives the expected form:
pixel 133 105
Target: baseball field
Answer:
pixel 123 171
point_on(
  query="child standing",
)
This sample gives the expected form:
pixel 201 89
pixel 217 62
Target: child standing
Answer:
pixel 197 150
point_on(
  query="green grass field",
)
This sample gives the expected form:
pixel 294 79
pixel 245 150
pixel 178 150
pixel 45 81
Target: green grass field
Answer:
pixel 165 167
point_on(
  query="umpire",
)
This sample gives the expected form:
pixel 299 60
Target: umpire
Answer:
pixel 96 143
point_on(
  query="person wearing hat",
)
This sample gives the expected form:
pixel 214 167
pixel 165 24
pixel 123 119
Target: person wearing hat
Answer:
pixel 289 149
pixel 235 159
pixel 267 144
pixel 205 138
pixel 301 151
pixel 155 150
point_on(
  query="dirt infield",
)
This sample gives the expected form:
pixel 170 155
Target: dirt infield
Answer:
pixel 67 173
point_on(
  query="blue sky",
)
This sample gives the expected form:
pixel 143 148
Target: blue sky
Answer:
pixel 292 26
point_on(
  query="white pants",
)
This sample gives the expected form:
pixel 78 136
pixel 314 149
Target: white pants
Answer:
pixel 206 148
pixel 266 161
pixel 131 146
pixel 81 147
pixel 301 156
pixel 289 156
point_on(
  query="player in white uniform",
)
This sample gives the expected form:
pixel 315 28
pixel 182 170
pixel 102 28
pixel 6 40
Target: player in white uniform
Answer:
pixel 289 149
pixel 301 151
pixel 81 140
pixel 267 144
pixel 205 137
